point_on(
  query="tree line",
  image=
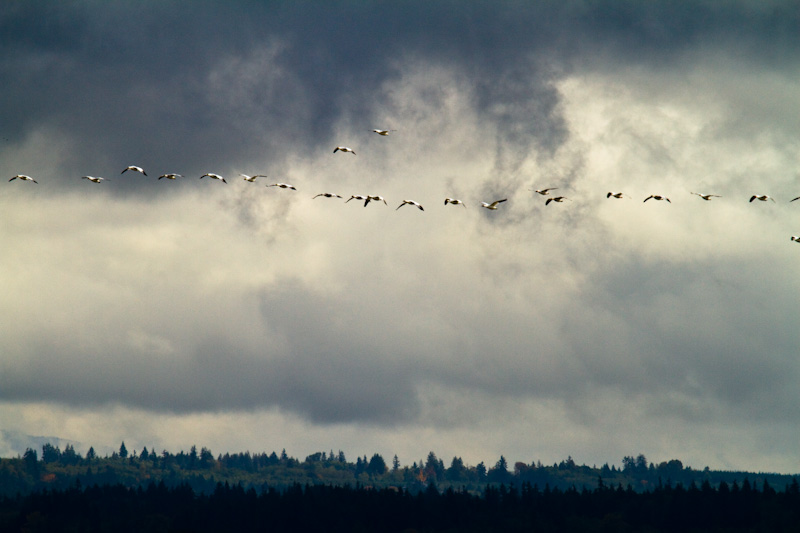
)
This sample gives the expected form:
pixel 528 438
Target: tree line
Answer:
pixel 202 471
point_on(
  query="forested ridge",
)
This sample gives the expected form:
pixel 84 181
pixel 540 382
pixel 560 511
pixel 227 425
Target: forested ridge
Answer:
pixel 202 471
pixel 196 491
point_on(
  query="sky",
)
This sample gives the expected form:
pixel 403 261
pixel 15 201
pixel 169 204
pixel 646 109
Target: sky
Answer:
pixel 236 316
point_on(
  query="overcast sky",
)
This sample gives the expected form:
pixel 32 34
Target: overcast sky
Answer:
pixel 241 317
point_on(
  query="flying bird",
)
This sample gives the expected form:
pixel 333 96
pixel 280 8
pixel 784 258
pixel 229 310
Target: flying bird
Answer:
pixel 328 195
pixel 657 197
pixel 615 195
pixel 214 176
pixel 344 149
pixel 357 197
pixel 557 199
pixel 93 179
pixel 544 192
pixel 762 197
pixel 707 197
pixel 793 199
pixel 454 201
pixel 170 176
pixel 410 202
pixel 252 179
pixel 135 169
pixel 383 132
pixel 796 238
pixel 374 199
pixel 493 205
pixel 23 177
pixel 283 186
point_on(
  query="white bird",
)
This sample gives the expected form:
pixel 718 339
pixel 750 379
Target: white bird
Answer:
pixel 493 205
pixel 558 199
pixel 615 195
pixel 283 186
pixel 383 132
pixel 544 192
pixel 344 149
pixel 328 195
pixel 214 176
pixel 135 169
pixel 707 197
pixel 252 179
pixel 762 197
pixel 93 179
pixel 410 202
pixel 356 197
pixel 796 238
pixel 375 199
pixel 23 177
pixel 657 197
pixel 170 176
pixel 454 201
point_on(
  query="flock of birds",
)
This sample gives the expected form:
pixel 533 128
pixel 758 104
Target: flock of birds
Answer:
pixel 492 206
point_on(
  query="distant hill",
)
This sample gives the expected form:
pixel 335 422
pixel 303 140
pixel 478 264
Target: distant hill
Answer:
pixel 14 443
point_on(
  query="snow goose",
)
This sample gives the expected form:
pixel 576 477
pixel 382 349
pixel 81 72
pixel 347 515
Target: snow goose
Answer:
pixel 214 176
pixel 344 149
pixel 762 197
pixel 356 197
pixel 658 197
pixel 382 132
pixel 796 238
pixel 135 169
pixel 374 199
pixel 493 205
pixel 454 201
pixel 23 177
pixel 410 202
pixel 616 195
pixel 283 186
pixel 557 199
pixel 251 179
pixel 328 195
pixel 544 192
pixel 170 176
pixel 93 179
pixel 707 197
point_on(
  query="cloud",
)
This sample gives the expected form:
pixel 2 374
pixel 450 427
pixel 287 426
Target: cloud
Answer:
pixel 196 303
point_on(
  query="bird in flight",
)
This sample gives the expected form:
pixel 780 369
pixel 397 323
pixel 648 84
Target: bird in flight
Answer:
pixel 557 199
pixel 344 149
pixel 762 197
pixel 93 179
pixel 544 192
pixel 170 176
pixel 328 195
pixel 615 195
pixel 657 197
pixel 382 132
pixel 135 169
pixel 410 202
pixel 493 205
pixel 796 238
pixel 357 197
pixel 707 197
pixel 214 176
pixel 23 177
pixel 283 186
pixel 454 201
pixel 374 199
pixel 252 179
pixel 793 199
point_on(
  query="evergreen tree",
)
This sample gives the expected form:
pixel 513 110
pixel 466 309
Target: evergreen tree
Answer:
pixel 123 451
pixel 376 466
